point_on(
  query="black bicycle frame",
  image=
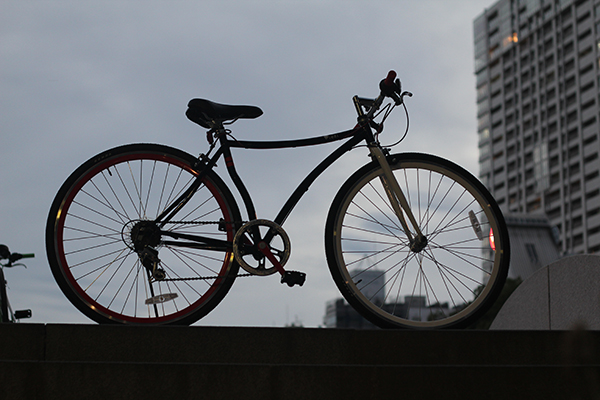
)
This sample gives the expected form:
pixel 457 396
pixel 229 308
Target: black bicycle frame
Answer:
pixel 356 135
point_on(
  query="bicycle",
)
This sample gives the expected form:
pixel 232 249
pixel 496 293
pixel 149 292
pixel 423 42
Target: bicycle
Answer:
pixel 405 237
pixel 6 312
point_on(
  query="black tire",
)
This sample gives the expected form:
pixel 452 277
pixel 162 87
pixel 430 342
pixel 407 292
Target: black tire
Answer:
pixel 89 231
pixel 5 317
pixel 448 284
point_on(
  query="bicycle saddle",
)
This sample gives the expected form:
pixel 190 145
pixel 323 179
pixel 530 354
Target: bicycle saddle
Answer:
pixel 203 111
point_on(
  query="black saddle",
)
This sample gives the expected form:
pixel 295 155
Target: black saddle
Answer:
pixel 203 112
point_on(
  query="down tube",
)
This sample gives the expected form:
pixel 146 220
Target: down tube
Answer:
pixel 314 174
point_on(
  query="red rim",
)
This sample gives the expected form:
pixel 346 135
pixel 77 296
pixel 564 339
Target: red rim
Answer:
pixel 71 279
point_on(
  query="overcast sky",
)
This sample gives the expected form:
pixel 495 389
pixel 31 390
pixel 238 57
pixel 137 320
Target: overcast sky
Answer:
pixel 79 77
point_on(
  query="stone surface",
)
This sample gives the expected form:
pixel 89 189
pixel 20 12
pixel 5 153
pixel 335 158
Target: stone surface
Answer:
pixel 563 295
pixel 120 362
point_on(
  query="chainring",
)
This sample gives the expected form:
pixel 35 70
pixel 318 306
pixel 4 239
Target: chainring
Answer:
pixel 247 253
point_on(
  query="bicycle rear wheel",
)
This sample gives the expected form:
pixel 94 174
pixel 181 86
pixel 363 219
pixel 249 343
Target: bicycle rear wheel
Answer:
pixel 105 203
pixel 450 282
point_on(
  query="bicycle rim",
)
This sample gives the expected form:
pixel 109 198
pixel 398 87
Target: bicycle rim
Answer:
pixel 90 232
pixel 449 283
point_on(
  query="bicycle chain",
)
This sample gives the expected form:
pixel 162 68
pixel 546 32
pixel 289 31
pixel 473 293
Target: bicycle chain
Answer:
pixel 204 278
pixel 205 222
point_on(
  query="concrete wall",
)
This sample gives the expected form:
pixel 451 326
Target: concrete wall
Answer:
pixel 117 362
pixel 562 295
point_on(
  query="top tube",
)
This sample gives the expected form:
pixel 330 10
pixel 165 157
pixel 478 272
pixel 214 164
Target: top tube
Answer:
pixel 283 144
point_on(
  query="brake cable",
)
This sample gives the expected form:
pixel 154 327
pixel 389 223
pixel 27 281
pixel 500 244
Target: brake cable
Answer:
pixel 407 126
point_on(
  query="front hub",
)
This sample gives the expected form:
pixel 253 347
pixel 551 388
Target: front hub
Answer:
pixel 418 243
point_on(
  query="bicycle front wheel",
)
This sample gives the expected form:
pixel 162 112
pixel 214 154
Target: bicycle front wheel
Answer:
pixel 447 284
pixel 110 202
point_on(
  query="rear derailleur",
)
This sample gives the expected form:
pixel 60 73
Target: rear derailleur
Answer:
pixel 149 259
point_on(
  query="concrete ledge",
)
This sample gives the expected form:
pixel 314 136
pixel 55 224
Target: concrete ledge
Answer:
pixel 562 295
pixel 264 382
pixel 121 362
pixel 279 346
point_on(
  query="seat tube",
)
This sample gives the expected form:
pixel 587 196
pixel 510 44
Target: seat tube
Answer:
pixel 396 196
pixel 239 184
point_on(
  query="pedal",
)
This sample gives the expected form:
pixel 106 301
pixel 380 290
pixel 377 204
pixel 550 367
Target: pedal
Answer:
pixel 292 278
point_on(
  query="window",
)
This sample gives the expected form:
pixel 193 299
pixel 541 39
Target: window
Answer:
pixel 585 52
pixel 574 151
pixel 590 140
pixel 577 240
pixel 583 17
pixel 592 194
pixel 589 122
pixel 591 176
pixel 482 91
pixel 584 35
pixel 568 48
pixel 531 253
pixel 587 87
pixel 590 158
pixel 586 69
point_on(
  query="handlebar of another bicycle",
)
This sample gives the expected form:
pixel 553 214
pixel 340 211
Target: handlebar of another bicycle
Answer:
pixel 18 256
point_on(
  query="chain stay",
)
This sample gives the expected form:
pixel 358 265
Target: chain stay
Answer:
pixel 203 278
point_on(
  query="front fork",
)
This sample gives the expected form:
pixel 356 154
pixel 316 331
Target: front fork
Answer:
pixel 398 201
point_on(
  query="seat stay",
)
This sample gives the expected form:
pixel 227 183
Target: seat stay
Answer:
pixel 203 167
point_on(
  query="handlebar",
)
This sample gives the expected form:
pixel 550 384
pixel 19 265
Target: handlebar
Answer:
pixel 389 87
pixel 17 256
pixel 12 257
pixel 389 80
pixel 392 88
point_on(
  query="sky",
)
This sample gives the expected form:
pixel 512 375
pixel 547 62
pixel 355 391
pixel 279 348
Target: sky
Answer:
pixel 80 77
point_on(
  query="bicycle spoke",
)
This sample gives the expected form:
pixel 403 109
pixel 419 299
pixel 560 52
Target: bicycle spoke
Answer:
pixel 109 211
pixel 436 284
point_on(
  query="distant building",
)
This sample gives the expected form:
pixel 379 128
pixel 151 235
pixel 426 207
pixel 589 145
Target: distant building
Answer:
pixel 339 314
pixel 537 79
pixel 533 244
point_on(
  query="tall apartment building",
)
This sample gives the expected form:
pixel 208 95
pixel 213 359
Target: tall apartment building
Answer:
pixel 537 73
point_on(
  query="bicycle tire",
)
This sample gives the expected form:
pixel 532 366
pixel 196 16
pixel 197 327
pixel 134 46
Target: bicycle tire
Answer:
pixel 453 280
pixel 89 237
pixel 5 315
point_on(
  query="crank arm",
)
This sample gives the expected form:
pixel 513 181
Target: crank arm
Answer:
pixel 264 248
pixel 290 278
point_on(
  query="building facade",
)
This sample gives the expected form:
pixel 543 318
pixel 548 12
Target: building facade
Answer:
pixel 537 78
pixel 533 244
